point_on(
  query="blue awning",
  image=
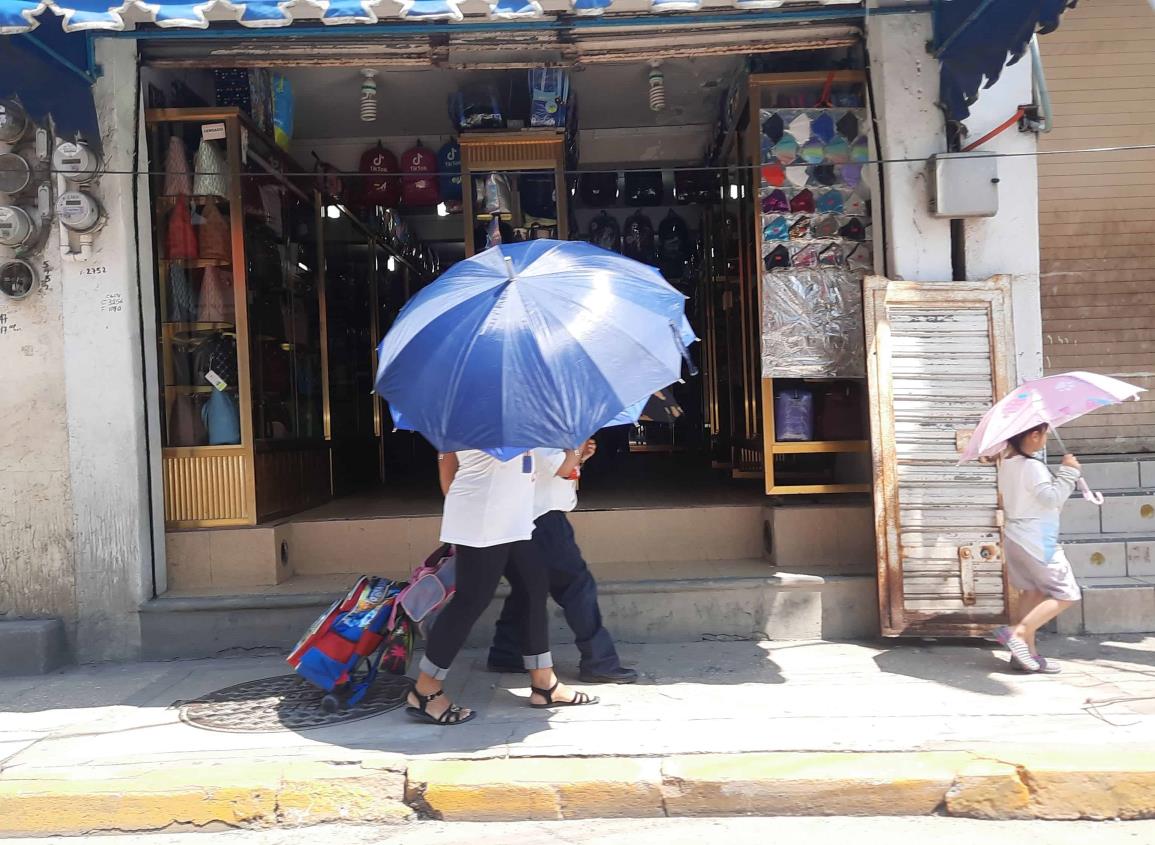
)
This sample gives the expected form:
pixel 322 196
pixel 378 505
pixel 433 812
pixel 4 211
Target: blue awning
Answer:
pixel 116 15
pixel 975 39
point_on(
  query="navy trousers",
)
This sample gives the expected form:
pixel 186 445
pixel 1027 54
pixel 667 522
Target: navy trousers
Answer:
pixel 573 587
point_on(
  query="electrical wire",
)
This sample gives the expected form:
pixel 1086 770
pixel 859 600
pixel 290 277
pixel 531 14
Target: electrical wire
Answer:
pixel 998 130
pixel 696 168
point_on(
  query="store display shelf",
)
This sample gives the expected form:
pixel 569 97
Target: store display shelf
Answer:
pixel 815 489
pixel 196 263
pixel 803 447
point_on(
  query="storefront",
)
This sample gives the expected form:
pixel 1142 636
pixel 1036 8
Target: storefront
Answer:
pixel 303 184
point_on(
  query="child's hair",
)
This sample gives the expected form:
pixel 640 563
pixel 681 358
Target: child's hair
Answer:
pixel 1015 442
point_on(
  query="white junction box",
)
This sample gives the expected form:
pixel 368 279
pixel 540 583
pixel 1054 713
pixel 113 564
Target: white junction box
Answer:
pixel 964 184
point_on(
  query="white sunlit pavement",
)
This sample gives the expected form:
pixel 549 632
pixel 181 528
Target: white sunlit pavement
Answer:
pixel 114 726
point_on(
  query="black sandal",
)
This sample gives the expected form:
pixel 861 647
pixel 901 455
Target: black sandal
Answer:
pixel 451 716
pixel 579 698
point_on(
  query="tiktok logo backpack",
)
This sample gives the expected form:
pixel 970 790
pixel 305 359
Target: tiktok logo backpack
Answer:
pixel 419 188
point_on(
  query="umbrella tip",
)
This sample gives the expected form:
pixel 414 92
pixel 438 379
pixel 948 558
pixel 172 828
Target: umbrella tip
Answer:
pixel 509 268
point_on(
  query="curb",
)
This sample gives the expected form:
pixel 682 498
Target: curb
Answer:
pixel 1033 783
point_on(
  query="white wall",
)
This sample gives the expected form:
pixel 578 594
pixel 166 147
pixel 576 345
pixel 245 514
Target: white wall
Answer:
pixel 906 79
pixel 75 532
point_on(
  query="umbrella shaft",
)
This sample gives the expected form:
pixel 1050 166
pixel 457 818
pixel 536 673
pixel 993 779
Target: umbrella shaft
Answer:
pixel 1059 440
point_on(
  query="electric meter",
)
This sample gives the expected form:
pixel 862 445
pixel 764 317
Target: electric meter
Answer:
pixel 17 278
pixel 13 121
pixel 15 173
pixel 78 211
pixel 75 161
pixel 16 226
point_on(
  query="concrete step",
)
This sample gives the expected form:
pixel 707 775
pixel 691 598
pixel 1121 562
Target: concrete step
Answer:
pixel 1111 556
pixel 834 538
pixel 1131 512
pixel 270 555
pixel 771 604
pixel 1117 472
pixel 1123 605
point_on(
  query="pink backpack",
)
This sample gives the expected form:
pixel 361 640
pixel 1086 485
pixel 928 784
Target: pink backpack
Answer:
pixel 431 588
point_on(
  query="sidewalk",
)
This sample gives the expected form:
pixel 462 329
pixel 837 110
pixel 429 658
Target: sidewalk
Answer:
pixel 887 728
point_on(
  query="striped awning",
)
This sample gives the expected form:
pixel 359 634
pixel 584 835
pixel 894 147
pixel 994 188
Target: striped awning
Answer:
pixel 18 16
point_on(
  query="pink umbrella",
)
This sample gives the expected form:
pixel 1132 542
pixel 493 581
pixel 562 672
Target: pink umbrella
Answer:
pixel 1053 400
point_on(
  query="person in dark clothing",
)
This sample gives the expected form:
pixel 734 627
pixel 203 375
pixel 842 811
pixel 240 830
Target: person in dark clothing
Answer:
pixel 571 584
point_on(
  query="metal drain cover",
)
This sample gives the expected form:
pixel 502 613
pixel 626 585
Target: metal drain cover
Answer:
pixel 285 703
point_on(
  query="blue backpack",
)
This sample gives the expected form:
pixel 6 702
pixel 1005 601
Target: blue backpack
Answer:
pixel 449 163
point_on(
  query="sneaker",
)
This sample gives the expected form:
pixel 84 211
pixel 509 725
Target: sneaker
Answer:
pixel 1046 667
pixel 621 675
pixel 1018 648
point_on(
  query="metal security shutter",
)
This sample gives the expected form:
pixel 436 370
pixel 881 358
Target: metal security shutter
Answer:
pixel 938 357
pixel 1097 215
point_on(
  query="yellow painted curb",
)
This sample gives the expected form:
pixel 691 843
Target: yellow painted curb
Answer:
pixel 141 798
pixel 537 788
pixel 807 784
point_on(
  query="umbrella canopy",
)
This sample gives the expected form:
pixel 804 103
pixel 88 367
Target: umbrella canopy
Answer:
pixel 1053 400
pixel 532 344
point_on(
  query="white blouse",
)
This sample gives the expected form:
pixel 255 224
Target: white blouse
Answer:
pixel 490 502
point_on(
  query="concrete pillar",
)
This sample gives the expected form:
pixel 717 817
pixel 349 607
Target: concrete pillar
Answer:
pixel 103 369
pixel 911 126
pixel 906 80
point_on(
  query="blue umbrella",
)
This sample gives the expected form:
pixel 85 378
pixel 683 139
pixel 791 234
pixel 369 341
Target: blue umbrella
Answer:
pixel 533 344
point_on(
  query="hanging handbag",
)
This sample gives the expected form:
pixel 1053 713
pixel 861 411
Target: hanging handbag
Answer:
pixel 215 236
pixel 222 358
pixel 210 179
pixel 216 299
pixel 176 176
pixel 181 240
pixel 185 425
pixel 181 299
pixel 222 419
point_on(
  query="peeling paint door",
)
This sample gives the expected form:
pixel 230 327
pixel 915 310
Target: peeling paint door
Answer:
pixel 939 355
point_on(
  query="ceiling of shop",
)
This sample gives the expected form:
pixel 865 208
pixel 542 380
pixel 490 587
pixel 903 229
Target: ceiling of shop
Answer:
pixel 609 96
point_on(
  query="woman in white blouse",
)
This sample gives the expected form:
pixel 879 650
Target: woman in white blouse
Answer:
pixel 488 517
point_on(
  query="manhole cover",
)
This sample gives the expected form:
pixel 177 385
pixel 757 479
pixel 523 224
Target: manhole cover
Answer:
pixel 285 703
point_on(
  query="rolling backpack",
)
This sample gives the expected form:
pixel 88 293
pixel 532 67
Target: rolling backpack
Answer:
pixel 638 239
pixel 606 233
pixel 673 246
pixel 431 587
pixel 339 652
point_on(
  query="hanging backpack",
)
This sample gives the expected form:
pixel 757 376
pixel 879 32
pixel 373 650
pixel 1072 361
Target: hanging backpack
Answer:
pixel 599 189
pixel 419 187
pixel 644 187
pixel 673 246
pixel 538 194
pixel 383 185
pixel 449 166
pixel 337 652
pixel 548 97
pixel 638 239
pixel 606 233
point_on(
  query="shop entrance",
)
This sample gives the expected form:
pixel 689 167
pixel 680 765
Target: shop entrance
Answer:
pixel 386 176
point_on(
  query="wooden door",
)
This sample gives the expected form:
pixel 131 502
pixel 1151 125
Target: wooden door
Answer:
pixel 939 355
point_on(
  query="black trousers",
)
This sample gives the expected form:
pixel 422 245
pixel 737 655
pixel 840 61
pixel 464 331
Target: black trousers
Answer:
pixel 478 573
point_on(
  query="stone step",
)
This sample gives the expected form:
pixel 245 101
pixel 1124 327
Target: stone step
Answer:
pixel 829 537
pixel 1111 606
pixel 774 605
pixel 1111 556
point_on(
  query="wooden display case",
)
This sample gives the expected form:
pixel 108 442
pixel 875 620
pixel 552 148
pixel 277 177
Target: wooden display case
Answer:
pixel 822 475
pixel 255 313
pixel 511 154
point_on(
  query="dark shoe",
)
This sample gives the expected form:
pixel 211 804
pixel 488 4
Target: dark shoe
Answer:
pixel 580 699
pixel 502 669
pixel 621 675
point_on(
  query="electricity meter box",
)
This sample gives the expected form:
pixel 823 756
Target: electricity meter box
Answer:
pixel 963 185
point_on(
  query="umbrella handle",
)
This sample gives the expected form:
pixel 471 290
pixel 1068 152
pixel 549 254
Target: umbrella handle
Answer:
pixel 1090 495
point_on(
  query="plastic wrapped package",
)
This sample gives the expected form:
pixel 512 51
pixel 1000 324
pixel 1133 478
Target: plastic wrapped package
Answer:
pixel 812 324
